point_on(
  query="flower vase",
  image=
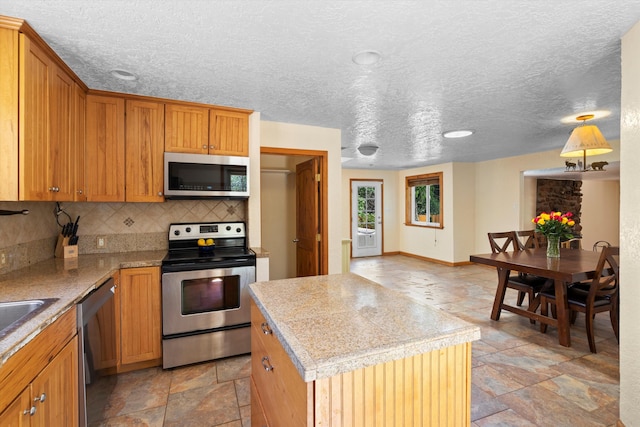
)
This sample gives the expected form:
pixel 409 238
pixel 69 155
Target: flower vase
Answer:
pixel 553 246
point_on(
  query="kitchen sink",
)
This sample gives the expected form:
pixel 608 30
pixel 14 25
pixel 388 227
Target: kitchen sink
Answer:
pixel 15 313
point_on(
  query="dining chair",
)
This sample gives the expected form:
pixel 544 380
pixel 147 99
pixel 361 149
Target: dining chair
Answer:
pixel 600 244
pixel 523 283
pixel 600 296
pixel 575 243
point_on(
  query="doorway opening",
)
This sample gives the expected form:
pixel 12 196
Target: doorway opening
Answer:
pixel 294 213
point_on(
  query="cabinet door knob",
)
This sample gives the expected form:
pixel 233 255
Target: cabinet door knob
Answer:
pixel 79 191
pixel 295 240
pixel 211 147
pixel 204 146
pixel 265 328
pixel 159 193
pixel 31 411
pixel 266 364
pixel 40 398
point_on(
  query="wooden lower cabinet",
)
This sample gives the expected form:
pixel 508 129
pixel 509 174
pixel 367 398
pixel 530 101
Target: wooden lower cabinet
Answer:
pixel 140 317
pixel 430 389
pixel 47 378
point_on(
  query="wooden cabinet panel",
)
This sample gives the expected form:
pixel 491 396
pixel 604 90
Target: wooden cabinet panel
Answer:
pixel 47 364
pixel 104 172
pixel 61 133
pixel 9 48
pixel 140 315
pixel 144 151
pixel 14 415
pixel 79 128
pixel 105 348
pixel 186 129
pixel 258 418
pixel 55 390
pixel 35 83
pixel 229 133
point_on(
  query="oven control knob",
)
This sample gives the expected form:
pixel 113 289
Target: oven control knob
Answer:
pixel 228 227
pixel 188 229
pixel 177 232
pixel 238 230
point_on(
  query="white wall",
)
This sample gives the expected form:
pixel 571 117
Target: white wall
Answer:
pixel 464 210
pixel 301 137
pixel 630 223
pixel 389 208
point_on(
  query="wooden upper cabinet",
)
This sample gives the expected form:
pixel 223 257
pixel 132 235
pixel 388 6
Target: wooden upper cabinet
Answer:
pixel 144 149
pixel 104 151
pixel 61 136
pixel 79 129
pixel 35 90
pixel 229 133
pixel 46 106
pixel 186 129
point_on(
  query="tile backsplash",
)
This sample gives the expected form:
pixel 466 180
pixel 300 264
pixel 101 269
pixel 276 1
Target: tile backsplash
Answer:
pixel 125 227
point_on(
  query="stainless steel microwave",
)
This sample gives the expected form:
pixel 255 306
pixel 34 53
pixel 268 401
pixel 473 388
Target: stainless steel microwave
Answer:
pixel 202 175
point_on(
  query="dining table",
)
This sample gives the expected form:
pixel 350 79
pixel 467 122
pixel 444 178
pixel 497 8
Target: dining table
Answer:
pixel 573 265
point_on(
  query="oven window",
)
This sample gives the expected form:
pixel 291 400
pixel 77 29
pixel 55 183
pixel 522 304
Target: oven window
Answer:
pixel 210 294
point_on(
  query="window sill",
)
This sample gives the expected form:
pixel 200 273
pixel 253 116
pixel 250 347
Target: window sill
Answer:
pixel 433 225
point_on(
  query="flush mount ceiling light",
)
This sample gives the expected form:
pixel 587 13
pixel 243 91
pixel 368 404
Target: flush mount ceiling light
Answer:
pixel 124 75
pixel 585 140
pixel 367 149
pixel 457 133
pixel 366 57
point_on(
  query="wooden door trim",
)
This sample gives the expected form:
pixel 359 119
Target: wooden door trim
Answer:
pixel 323 157
pixel 351 181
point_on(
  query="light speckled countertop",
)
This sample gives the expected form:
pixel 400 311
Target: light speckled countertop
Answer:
pixel 68 280
pixel 338 323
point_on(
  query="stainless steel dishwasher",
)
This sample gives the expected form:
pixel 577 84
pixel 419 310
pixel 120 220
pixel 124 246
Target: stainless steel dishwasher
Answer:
pixel 96 342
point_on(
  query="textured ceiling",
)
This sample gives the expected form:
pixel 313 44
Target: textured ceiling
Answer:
pixel 510 70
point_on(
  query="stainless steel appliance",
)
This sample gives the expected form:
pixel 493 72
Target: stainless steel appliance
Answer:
pixel 202 175
pixel 96 336
pixel 205 300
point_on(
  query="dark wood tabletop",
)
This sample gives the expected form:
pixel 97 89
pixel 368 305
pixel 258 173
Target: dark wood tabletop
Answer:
pixel 573 265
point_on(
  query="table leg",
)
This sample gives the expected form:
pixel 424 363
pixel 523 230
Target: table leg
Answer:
pixel 503 277
pixel 562 310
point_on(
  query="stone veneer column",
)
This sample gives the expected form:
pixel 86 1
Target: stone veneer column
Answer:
pixel 560 195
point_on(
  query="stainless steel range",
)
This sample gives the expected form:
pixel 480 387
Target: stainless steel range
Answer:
pixel 205 300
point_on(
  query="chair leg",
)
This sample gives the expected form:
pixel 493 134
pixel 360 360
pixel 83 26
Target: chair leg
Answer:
pixel 521 295
pixel 615 322
pixel 574 316
pixel 544 310
pixel 589 318
pixel 531 298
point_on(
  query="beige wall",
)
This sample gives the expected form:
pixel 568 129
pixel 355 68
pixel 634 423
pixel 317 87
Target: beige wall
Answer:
pixel 389 208
pixel 301 137
pixel 503 199
pixel 630 223
pixel 600 212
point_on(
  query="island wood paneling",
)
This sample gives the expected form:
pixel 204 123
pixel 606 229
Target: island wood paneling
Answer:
pixel 430 389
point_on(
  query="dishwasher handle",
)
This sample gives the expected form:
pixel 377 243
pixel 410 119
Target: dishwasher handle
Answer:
pixel 90 305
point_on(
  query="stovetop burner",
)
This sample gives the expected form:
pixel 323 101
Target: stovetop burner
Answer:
pixel 229 248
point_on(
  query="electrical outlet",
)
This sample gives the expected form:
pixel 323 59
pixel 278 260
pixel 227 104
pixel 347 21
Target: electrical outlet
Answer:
pixel 100 242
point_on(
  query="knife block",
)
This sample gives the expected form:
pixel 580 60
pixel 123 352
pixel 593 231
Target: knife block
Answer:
pixel 64 250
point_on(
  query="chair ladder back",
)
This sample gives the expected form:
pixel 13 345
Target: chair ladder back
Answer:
pixel 605 282
pixel 531 241
pixel 498 245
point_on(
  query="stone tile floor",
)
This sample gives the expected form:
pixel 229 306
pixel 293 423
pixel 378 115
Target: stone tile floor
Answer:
pixel 520 377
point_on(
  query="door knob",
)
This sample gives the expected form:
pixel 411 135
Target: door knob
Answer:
pixel 295 240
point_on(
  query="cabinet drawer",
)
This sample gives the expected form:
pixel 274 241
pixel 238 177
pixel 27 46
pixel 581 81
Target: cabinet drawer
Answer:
pixel 258 418
pixel 277 381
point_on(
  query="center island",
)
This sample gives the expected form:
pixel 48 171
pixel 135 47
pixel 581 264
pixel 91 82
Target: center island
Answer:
pixel 341 350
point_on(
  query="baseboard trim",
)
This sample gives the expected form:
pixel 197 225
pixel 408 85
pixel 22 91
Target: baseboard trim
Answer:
pixel 436 261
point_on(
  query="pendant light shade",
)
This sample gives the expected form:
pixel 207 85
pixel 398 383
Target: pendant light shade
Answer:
pixel 585 141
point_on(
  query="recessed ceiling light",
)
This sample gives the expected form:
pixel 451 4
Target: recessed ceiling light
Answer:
pixel 457 133
pixel 124 75
pixel 366 57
